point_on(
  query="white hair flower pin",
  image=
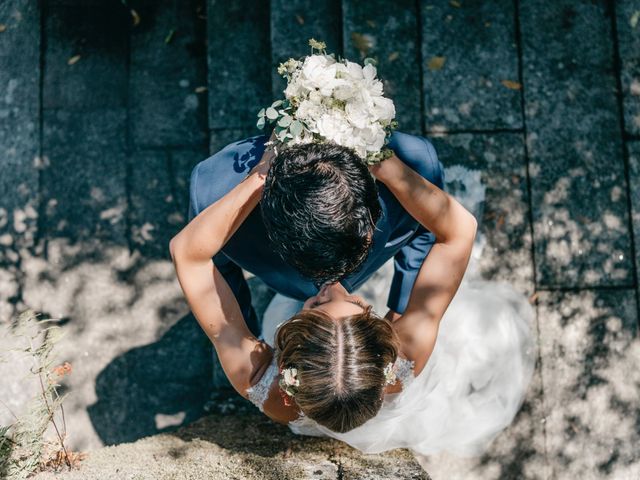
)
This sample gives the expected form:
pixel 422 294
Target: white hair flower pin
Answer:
pixel 389 374
pixel 289 384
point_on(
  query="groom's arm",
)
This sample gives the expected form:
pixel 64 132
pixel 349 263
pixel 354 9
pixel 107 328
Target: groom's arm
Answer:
pixel 419 154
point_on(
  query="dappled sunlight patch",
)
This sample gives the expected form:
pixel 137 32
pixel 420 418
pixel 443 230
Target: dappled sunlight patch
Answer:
pixel 590 354
pixel 109 301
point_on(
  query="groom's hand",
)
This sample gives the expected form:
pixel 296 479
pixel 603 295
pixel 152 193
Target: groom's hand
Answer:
pixel 262 167
pixel 389 170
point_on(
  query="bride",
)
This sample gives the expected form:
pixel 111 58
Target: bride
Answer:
pixel 335 368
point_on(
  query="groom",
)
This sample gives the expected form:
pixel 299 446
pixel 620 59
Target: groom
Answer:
pixel 322 218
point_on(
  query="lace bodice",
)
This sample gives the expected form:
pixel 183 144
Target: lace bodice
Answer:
pixel 404 371
pixel 260 391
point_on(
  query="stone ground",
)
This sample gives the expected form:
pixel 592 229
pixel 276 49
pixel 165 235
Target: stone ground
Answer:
pixel 103 114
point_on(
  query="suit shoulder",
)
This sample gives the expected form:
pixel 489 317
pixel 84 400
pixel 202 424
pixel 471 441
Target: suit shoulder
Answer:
pixel 239 156
pixel 212 178
pixel 420 154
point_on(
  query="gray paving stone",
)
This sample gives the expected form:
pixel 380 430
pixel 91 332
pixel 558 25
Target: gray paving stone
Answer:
pixel 218 139
pixel 95 38
pixel 387 31
pixel 293 23
pixel 245 446
pixel 517 453
pixel 477 42
pixel 19 115
pixel 19 146
pixel 590 354
pixel 168 76
pixel 577 172
pixel 139 361
pixel 634 177
pixel 154 215
pixel 182 163
pixel 239 57
pixel 628 25
pixel 83 183
pixel 504 218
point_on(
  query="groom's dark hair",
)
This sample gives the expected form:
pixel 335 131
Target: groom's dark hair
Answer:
pixel 320 206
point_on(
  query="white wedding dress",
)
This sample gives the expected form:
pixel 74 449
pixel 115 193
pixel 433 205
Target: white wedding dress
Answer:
pixel 476 378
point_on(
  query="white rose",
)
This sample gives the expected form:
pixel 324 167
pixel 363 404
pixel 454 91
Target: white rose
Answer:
pixel 295 88
pixel 383 109
pixel 334 128
pixel 320 72
pixel 309 111
pixel 355 71
pixel 357 113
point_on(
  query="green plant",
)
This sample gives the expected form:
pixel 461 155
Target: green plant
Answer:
pixel 23 445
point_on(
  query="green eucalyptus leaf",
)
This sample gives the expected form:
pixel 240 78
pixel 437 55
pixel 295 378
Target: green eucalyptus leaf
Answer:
pixel 272 113
pixel 261 112
pixel 261 123
pixel 285 121
pixel 277 103
pixel 370 61
pixel 296 128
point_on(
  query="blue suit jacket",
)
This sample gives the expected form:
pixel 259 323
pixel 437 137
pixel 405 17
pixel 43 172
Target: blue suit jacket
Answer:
pixel 397 234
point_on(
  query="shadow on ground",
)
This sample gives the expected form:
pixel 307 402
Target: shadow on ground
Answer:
pixel 154 388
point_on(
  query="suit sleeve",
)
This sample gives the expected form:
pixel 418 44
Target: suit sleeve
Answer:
pixel 408 260
pixel 231 272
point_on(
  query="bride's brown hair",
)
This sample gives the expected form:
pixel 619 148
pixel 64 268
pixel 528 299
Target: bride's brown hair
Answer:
pixel 340 365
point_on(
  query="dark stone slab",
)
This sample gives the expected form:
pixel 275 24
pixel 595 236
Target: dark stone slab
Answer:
pixel 168 75
pixel 628 25
pixel 388 32
pixel 154 215
pixel 83 183
pixel 239 62
pixel 218 139
pixel 579 203
pixel 504 217
pixel 95 38
pixel 634 180
pixel 182 163
pixel 19 125
pixel 590 354
pixel 293 23
pixel 476 41
pixel 84 135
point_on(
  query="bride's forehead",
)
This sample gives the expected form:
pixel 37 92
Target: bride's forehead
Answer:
pixel 339 308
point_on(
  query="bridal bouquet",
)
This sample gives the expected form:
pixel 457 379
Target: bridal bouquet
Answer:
pixel 332 100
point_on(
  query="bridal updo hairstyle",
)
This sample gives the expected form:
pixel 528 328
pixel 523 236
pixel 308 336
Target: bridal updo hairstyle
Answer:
pixel 340 365
pixel 320 206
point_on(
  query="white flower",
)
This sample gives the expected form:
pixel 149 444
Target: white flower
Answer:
pixel 358 114
pixel 383 109
pixel 290 377
pixel 333 100
pixel 319 73
pixel 389 374
pixel 309 110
